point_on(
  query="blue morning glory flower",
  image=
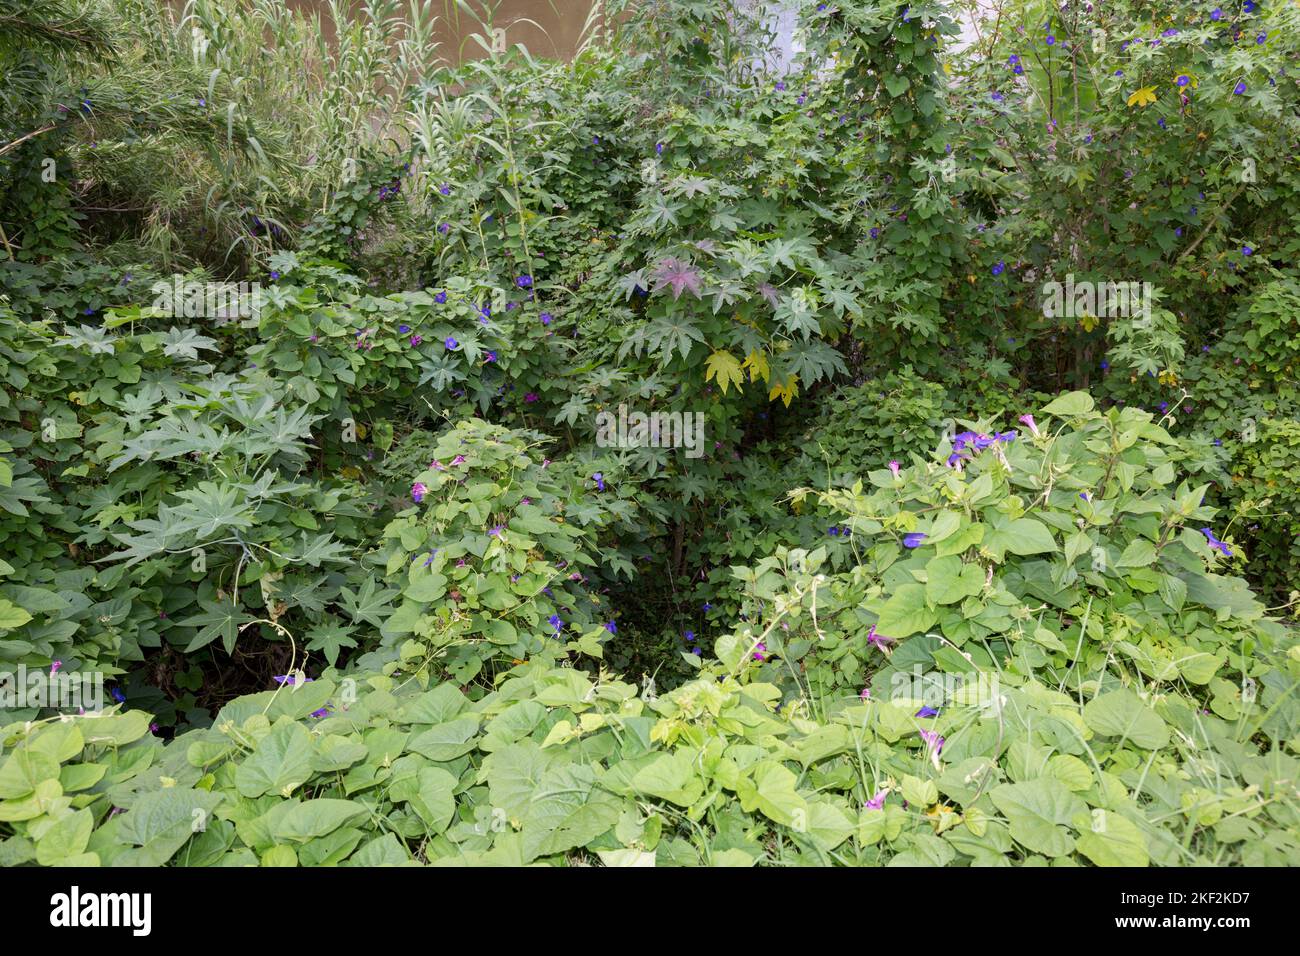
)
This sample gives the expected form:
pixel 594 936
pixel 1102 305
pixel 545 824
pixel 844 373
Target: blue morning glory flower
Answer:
pixel 1215 543
pixel 913 540
pixel 1239 88
pixel 450 343
pixel 999 268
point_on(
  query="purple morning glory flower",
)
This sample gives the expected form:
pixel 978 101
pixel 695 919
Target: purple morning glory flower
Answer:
pixel 451 343
pixel 403 329
pixel 599 479
pixel 416 340
pixel 496 532
pixel 760 651
pixel 611 627
pixel 1215 543
pixel 878 640
pixel 1247 251
pixel 319 714
pixel 418 491
pixel 877 802
pixel 546 318
pixel 440 298
pixel 1216 14
pixel 927 712
pixel 445 189
pixel 833 532
pixel 706 606
pixel 1051 40
pixel 524 281
pixel 490 356
pixel 697 652
pixel 690 636
pixel 1239 88
pixel 659 149
pixel 999 268
pixel 444 228
pixel 555 622
pixel 1183 79
pixel 289 679
pixel 118 695
pixel 913 540
pixel 933 742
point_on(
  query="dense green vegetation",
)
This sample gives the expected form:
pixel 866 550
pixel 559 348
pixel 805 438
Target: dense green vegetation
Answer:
pixel 973 559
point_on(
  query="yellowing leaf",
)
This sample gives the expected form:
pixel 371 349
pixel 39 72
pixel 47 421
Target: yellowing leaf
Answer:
pixel 785 391
pixel 756 362
pixel 723 366
pixel 1143 97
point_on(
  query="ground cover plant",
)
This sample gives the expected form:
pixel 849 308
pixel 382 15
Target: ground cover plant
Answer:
pixel 872 446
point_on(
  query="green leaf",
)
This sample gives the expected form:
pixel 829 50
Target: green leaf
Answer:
pixel 315 818
pixel 948 581
pixel 281 763
pixel 770 788
pixel 161 822
pixel 1071 403
pixel 1114 840
pixel 1123 714
pixel 1039 812
pixel 671 777
pixel 67 838
pixel 906 612
pixel 567 810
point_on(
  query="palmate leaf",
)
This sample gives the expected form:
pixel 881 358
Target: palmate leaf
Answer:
pixel 323 547
pixel 690 186
pixel 724 366
pixel 629 283
pixel 329 637
pixel 668 335
pixel 798 313
pixel 367 604
pixel 678 274
pixel 219 619
pixel 93 340
pixel 788 252
pixel 185 343
pixel 813 361
pixel 210 508
pixel 441 372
